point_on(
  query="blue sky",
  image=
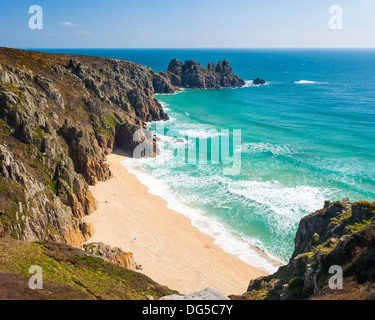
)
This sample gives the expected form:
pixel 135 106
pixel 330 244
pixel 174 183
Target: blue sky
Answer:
pixel 187 24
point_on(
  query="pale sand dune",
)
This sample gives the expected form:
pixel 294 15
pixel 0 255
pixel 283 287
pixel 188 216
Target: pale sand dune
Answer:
pixel 172 251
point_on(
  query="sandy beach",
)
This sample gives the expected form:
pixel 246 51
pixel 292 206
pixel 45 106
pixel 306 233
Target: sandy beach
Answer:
pixel 170 249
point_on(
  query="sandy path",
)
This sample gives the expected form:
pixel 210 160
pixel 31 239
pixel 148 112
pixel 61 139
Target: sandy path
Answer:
pixel 172 251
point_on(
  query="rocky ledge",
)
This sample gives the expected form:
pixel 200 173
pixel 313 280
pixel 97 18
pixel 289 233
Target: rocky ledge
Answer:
pixel 113 255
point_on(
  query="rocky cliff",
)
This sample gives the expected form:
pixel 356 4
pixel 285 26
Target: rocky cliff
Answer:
pixel 60 115
pixel 342 234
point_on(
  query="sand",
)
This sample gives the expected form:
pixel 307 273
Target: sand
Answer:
pixel 170 249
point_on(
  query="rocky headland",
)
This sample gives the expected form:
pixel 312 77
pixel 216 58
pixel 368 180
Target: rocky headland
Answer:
pixel 193 75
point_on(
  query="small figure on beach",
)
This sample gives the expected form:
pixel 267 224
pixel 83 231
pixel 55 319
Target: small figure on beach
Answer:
pixel 138 267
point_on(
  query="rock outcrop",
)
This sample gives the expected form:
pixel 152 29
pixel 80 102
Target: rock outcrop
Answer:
pixel 113 255
pixel 191 74
pixel 342 234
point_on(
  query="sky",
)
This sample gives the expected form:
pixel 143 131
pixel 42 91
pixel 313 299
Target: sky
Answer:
pixel 188 24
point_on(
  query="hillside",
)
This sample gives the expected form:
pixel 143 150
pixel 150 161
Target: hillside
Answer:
pixel 68 273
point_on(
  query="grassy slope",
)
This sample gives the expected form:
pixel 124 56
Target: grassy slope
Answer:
pixel 68 273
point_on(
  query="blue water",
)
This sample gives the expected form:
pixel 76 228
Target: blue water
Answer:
pixel 306 136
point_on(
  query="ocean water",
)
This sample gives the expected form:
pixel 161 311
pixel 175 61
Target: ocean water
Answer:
pixel 306 136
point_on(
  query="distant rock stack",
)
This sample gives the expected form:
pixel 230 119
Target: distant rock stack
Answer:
pixel 191 74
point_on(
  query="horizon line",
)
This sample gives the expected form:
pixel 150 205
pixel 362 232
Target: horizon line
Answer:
pixel 192 48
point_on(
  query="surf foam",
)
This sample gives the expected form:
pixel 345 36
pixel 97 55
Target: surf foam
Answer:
pixel 229 242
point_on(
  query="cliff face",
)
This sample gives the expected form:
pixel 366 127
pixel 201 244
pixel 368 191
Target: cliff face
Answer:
pixel 60 115
pixel 193 75
pixel 342 234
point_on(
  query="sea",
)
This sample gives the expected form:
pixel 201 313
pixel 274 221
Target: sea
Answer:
pixel 304 137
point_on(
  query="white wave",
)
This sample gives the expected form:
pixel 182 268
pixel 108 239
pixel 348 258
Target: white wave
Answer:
pixel 249 83
pixel 229 242
pixel 262 147
pixel 172 141
pixel 180 90
pixel 287 204
pixel 309 82
pixel 187 113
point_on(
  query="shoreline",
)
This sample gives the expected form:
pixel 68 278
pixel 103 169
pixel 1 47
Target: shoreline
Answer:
pixel 170 249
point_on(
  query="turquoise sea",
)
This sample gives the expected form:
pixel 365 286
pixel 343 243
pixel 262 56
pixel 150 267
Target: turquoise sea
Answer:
pixel 306 136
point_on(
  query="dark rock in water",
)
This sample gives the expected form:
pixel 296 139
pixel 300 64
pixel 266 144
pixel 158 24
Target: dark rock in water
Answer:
pixel 258 81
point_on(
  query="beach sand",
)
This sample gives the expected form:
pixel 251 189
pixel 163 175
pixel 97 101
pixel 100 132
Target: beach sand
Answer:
pixel 170 249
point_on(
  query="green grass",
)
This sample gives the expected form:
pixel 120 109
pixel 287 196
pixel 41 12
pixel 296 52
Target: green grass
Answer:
pixel 359 226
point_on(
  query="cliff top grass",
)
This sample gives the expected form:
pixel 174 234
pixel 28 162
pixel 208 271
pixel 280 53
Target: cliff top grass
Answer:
pixel 69 273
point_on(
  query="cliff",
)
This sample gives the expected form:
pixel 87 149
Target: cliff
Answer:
pixel 342 234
